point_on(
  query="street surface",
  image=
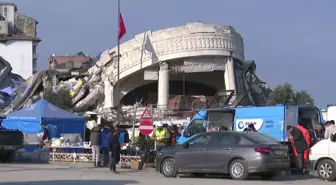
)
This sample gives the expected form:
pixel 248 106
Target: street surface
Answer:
pixel 83 174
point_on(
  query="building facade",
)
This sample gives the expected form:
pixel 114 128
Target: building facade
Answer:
pixel 194 59
pixel 18 40
pixel 67 63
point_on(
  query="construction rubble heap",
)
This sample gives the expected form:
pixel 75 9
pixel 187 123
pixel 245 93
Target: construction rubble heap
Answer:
pixel 88 89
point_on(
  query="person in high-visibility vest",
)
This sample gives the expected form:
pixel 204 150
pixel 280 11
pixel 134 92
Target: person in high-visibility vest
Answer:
pixel 160 137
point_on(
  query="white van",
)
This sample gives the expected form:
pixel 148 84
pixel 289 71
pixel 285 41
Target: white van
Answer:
pixel 322 157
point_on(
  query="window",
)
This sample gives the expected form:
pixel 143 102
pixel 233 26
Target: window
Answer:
pixel 218 119
pixel 195 127
pixel 201 140
pixel 5 12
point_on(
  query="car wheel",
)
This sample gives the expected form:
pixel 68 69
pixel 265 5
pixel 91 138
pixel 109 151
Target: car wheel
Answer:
pixel 168 168
pixel 199 175
pixel 266 175
pixel 326 170
pixel 238 170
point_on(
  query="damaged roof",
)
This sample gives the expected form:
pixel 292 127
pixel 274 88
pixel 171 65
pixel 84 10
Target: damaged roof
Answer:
pixel 77 61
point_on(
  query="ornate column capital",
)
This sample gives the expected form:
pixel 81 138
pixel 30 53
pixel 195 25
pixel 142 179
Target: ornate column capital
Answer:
pixel 164 65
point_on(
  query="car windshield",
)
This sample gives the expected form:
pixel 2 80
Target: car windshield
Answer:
pixel 259 138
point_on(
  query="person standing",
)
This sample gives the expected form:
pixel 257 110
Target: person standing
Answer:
pixel 299 145
pixel 105 133
pixel 96 140
pixel 160 136
pixel 46 136
pixel 307 138
pixel 175 134
pixel 330 129
pixel 114 149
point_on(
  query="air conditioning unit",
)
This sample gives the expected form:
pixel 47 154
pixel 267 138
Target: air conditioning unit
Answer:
pixel 3 27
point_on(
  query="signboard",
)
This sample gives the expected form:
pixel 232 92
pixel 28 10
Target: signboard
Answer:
pixel 146 114
pixel 146 124
pixel 241 124
pixel 146 127
pixel 151 75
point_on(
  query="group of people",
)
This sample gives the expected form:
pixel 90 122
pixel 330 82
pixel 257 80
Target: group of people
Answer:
pixel 302 139
pixel 107 140
pixel 165 136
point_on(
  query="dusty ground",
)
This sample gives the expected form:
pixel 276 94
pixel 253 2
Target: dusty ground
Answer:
pixel 83 174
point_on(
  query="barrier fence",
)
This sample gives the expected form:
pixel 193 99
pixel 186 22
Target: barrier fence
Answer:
pixel 87 157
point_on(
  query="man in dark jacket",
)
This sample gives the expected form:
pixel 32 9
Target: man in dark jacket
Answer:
pixel 95 138
pixel 299 144
pixel 114 148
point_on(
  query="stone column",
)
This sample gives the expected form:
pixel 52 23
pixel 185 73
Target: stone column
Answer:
pixel 163 86
pixel 229 75
pixel 109 95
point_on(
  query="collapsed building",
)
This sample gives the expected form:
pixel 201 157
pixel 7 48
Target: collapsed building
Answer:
pixel 173 69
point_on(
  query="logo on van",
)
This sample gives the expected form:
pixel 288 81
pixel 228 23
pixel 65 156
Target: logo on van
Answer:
pixel 243 123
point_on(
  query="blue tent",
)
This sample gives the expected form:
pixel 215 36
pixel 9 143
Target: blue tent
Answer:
pixel 28 120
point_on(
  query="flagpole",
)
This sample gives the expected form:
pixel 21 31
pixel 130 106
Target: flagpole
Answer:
pixel 118 66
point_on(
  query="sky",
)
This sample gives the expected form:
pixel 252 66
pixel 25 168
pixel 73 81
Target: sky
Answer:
pixel 291 41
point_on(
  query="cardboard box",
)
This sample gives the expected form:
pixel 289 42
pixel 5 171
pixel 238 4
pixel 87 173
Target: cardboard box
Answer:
pixel 136 165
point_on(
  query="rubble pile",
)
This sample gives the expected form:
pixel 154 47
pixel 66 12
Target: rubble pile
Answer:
pixel 89 89
pixel 8 82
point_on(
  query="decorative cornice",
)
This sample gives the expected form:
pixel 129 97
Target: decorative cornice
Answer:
pixel 191 40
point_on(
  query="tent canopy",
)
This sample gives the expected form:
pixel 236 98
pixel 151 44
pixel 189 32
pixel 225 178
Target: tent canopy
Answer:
pixel 28 120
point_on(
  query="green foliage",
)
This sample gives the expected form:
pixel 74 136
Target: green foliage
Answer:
pixel 61 99
pixel 141 142
pixel 285 94
pixel 303 97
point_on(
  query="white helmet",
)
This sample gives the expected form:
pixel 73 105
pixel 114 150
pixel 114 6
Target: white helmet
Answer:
pixel 159 124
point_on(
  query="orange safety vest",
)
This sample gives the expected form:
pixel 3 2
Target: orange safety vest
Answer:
pixel 306 136
pixel 305 133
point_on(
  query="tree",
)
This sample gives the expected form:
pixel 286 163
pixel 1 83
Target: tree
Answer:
pixel 284 94
pixel 303 97
pixel 61 98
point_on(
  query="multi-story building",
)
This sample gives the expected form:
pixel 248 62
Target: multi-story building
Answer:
pixel 66 63
pixel 18 40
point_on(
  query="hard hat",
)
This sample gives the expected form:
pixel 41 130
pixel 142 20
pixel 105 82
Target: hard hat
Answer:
pixel 159 124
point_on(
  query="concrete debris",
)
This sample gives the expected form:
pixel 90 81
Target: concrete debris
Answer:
pixel 87 89
pixel 8 82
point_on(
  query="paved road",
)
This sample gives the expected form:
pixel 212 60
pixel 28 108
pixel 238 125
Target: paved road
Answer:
pixel 83 174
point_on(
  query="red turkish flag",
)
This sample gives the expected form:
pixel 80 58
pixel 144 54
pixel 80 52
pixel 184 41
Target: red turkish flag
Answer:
pixel 122 28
